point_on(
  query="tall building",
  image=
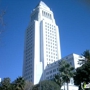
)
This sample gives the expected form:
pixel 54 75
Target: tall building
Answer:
pixel 42 43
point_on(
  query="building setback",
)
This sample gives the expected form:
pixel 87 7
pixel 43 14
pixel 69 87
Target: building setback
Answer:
pixel 42 43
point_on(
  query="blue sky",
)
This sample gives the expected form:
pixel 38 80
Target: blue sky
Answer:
pixel 72 17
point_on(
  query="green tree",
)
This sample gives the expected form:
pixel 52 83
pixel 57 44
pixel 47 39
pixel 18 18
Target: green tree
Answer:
pixel 58 80
pixel 82 74
pixel 28 85
pixel 5 84
pixel 66 71
pixel 46 85
pixel 86 54
pixel 19 84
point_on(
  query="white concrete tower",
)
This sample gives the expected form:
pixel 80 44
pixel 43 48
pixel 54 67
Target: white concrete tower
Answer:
pixel 42 43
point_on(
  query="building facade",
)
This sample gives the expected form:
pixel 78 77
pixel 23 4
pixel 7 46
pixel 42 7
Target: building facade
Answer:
pixel 42 43
pixel 52 69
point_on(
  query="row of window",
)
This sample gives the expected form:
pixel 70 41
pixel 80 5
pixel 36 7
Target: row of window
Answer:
pixel 50 61
pixel 28 74
pixel 29 51
pixel 29 38
pixel 51 37
pixel 49 28
pixel 30 29
pixel 46 23
pixel 50 44
pixel 34 16
pixel 28 69
pixel 54 70
pixel 30 34
pixel 28 56
pixel 51 50
pixel 50 77
pixel 50 32
pixel 31 46
pixel 51 53
pixel 45 14
pixel 50 56
pixel 28 78
pixel 51 41
pixel 28 62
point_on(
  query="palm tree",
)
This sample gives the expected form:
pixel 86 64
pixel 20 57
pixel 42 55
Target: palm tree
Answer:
pixel 66 71
pixel 58 80
pixel 19 84
pixel 86 54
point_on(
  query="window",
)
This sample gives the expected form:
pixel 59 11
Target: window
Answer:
pixel 47 73
pixel 50 76
pixel 54 70
pixel 70 63
pixel 47 77
pixel 57 69
pixel 71 81
pixel 51 71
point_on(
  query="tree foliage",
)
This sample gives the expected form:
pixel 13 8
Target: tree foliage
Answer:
pixel 5 84
pixel 28 85
pixel 58 80
pixel 82 74
pixel 86 54
pixel 18 84
pixel 46 85
pixel 66 72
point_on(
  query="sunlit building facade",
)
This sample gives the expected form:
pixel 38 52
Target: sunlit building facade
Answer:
pixel 53 69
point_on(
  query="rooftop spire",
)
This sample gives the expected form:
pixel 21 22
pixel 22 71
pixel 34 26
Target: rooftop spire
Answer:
pixel 42 4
